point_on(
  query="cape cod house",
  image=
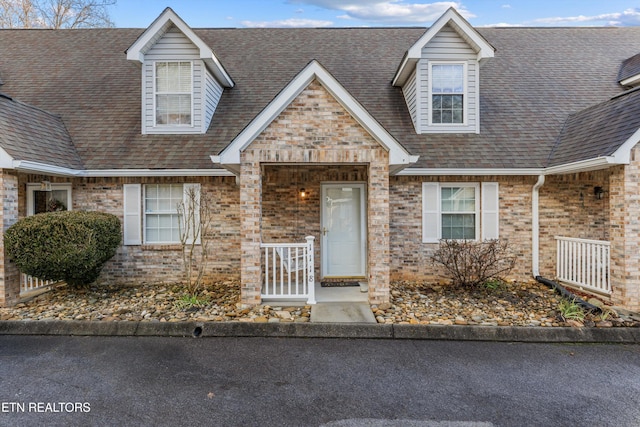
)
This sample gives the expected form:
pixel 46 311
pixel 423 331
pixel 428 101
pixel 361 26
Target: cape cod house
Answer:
pixel 374 142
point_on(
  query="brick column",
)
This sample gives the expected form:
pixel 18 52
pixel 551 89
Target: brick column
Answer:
pixel 378 226
pixel 250 217
pixel 9 274
pixel 624 234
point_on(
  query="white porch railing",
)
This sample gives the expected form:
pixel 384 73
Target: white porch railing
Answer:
pixel 584 263
pixel 30 283
pixel 288 271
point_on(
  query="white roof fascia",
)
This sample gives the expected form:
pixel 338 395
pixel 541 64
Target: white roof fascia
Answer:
pixel 154 172
pixel 582 166
pixel 631 81
pixel 469 172
pixel 231 154
pixel 29 166
pixel 136 53
pixel 459 24
pixel 6 161
pixel 623 154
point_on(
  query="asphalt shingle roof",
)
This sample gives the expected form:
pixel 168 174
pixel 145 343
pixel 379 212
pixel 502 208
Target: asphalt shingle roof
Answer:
pixel 28 133
pixel 630 68
pixel 599 130
pixel 539 77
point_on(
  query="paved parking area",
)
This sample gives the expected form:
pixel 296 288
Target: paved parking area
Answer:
pixel 313 382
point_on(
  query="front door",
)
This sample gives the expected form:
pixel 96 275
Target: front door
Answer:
pixel 343 230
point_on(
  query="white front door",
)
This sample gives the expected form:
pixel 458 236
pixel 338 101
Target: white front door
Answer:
pixel 343 230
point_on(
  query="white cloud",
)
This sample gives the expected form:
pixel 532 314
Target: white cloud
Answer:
pixel 506 6
pixel 389 11
pixel 287 23
pixel 627 18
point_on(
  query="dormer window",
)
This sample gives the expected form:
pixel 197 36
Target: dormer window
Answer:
pixel 447 93
pixel 182 79
pixel 173 89
pixel 440 76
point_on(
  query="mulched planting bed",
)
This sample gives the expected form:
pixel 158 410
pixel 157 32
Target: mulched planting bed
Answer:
pixel 513 304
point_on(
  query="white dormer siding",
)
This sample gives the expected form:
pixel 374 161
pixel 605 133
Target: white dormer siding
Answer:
pixel 411 97
pixel 452 50
pixel 205 92
pixel 447 47
pixel 213 92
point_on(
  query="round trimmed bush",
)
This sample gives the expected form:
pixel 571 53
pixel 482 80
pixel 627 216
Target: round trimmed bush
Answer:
pixel 71 246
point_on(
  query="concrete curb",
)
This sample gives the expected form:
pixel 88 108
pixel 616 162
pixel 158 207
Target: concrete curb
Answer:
pixel 322 330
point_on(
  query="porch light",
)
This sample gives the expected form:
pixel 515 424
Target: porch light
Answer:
pixel 45 186
pixel 303 193
pixel 598 192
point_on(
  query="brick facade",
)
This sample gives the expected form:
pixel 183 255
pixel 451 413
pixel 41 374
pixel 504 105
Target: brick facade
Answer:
pixel 569 208
pixel 624 199
pixel 315 141
pixel 9 274
pixel 410 258
pixel 314 128
pixel 157 263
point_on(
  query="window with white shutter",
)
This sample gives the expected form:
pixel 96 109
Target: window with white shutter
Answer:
pixel 152 216
pixel 459 211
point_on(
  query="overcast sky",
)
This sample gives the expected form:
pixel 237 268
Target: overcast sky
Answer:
pixel 363 13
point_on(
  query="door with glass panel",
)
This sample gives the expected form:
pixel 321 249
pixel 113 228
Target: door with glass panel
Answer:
pixel 343 239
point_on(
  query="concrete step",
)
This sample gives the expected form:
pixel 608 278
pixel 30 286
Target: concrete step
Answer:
pixel 342 312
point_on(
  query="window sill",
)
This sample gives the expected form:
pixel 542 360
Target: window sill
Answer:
pixel 161 247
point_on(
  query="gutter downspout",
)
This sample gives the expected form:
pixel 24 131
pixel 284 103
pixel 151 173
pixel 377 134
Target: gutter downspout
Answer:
pixel 535 227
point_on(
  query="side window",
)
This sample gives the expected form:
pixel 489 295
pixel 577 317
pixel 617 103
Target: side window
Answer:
pixel 48 197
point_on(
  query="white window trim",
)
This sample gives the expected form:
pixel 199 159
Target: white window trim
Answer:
pixel 33 187
pixel 437 213
pixel 135 214
pixel 155 97
pixel 465 94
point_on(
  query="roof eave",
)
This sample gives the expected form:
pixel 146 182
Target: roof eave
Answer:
pixel 136 51
pixel 230 156
pixel 482 47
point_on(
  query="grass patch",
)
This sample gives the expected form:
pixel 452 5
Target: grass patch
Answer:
pixel 571 310
pixel 191 301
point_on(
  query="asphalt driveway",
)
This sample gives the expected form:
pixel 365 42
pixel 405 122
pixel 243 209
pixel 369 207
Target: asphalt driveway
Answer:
pixel 105 381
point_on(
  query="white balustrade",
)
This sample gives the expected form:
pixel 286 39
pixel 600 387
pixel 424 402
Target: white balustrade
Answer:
pixel 288 271
pixel 584 263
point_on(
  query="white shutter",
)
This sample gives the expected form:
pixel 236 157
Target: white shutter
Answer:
pixel 132 214
pixel 185 200
pixel 490 211
pixel 430 212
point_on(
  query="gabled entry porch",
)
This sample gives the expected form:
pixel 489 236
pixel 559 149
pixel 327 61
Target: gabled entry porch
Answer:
pixel 313 123
pixel 313 228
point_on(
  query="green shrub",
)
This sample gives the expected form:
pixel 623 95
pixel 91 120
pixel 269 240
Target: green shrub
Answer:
pixel 71 246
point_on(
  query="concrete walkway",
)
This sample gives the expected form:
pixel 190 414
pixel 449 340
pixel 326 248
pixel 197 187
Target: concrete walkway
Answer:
pixel 342 312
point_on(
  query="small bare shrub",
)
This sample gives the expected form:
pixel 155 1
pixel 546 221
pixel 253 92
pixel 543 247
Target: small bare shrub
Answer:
pixel 196 219
pixel 472 263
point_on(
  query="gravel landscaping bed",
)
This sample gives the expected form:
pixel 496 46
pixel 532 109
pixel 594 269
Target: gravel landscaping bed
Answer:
pixel 514 304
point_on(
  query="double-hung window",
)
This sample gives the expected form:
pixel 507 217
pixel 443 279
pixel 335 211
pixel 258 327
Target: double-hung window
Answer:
pixel 151 213
pixel 459 211
pixel 447 93
pixel 173 90
pixel 161 221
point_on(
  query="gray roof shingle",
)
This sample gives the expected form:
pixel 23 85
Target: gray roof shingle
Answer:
pixel 629 68
pixel 28 133
pixel 539 76
pixel 599 130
